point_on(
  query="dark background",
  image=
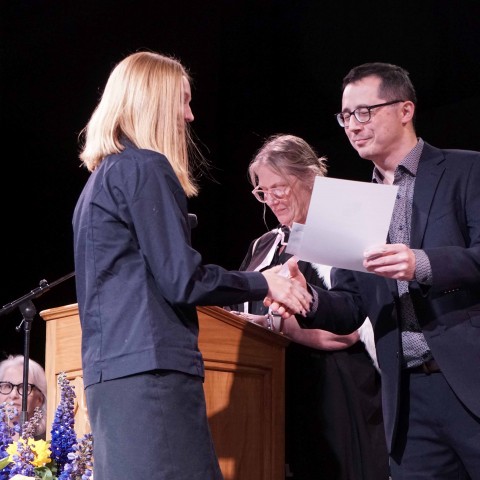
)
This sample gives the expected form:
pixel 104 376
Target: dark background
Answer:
pixel 259 67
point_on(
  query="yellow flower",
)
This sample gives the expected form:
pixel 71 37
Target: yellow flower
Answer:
pixel 40 448
pixel 12 448
pixel 42 452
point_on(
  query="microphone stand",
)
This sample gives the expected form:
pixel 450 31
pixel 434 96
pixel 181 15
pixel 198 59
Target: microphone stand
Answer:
pixel 28 311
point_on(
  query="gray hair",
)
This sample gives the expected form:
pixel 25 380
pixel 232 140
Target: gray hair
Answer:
pixel 36 375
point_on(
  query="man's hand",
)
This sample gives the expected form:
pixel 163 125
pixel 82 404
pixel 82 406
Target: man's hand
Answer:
pixel 395 261
pixel 295 272
pixel 286 296
pixel 284 306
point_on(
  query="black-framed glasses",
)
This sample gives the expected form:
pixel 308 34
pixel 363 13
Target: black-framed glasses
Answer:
pixel 277 193
pixel 362 114
pixel 7 387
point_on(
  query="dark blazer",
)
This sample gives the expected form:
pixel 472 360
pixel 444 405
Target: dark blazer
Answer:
pixel 446 225
pixel 138 279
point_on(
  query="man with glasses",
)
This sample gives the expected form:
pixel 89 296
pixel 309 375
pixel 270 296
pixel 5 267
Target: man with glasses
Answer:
pixel 422 292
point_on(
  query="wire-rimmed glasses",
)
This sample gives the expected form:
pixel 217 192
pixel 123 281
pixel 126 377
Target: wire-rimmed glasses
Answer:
pixel 7 387
pixel 277 193
pixel 362 114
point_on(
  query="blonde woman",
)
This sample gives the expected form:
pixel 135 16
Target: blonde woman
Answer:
pixel 138 279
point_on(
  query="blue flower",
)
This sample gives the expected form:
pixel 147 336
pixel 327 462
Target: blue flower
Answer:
pixel 69 459
pixel 63 433
pixel 8 429
pixel 80 464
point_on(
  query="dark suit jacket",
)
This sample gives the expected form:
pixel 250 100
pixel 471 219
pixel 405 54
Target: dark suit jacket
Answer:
pixel 446 225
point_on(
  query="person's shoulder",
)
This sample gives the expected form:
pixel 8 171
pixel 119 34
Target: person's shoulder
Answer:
pixel 133 159
pixel 266 238
pixel 264 241
pixel 451 153
pixel 459 154
pixel 137 171
pixel 143 155
pixel 269 235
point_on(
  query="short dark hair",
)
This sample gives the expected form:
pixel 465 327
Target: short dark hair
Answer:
pixel 396 83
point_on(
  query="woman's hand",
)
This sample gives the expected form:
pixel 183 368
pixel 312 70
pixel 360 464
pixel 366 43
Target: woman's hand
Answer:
pixel 297 278
pixel 287 296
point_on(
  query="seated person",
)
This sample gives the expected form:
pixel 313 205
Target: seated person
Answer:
pixel 11 389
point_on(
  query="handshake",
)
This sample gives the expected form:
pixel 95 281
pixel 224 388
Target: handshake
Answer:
pixel 287 293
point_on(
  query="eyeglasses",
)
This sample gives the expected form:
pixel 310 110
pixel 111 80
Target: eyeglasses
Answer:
pixel 277 193
pixel 362 114
pixel 7 387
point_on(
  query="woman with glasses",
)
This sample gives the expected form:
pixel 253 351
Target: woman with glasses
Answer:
pixel 334 426
pixel 11 389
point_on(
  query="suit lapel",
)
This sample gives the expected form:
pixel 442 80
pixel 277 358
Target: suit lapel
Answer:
pixel 429 173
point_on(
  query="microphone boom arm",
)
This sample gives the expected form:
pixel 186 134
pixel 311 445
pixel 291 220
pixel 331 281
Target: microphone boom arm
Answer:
pixel 43 287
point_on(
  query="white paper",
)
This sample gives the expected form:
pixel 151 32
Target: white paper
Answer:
pixel 344 218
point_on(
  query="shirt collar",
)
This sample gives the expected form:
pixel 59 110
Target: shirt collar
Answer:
pixel 409 163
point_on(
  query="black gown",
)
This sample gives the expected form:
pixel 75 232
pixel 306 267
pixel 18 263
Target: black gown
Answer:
pixel 333 416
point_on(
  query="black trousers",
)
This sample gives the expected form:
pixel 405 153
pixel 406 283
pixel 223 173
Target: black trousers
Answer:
pixel 438 438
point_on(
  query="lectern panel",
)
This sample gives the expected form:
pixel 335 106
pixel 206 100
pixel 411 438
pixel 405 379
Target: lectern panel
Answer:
pixel 244 387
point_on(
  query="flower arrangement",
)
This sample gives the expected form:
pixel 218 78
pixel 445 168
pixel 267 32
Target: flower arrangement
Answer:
pixel 63 458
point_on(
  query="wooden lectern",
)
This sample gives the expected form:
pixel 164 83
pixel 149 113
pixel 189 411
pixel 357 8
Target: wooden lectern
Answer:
pixel 244 387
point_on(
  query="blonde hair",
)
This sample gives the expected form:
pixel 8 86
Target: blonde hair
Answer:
pixel 288 155
pixel 143 101
pixel 36 375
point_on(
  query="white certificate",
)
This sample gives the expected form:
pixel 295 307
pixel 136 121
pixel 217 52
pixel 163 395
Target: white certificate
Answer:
pixel 344 219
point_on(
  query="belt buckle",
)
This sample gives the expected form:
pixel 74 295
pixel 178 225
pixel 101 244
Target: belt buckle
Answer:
pixel 430 366
pixel 425 368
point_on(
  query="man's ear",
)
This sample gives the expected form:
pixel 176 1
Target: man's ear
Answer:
pixel 408 110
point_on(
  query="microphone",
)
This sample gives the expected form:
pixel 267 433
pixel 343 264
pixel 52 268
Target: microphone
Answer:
pixel 192 220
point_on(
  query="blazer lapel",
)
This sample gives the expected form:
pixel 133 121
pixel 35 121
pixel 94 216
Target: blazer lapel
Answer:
pixel 429 173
